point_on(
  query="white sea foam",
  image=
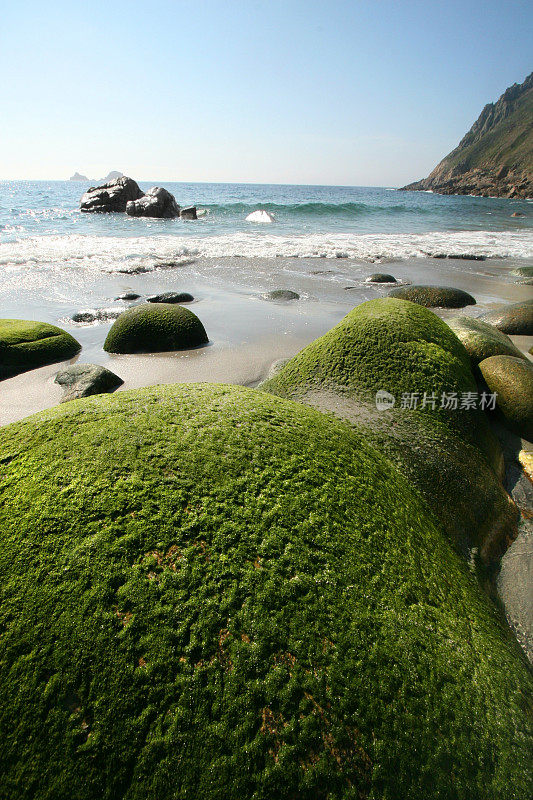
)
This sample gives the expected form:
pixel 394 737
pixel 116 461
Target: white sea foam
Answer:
pixel 113 254
pixel 260 216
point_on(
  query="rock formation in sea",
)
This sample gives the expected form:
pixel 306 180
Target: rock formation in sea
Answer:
pixel 111 196
pixel 155 203
pixel 112 176
pixel 495 158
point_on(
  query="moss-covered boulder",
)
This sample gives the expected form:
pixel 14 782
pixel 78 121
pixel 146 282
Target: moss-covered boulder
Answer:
pixel 435 432
pixel 380 277
pixel 281 295
pixel 512 380
pixel 482 340
pixel 210 592
pixel 155 327
pixel 516 318
pixel 434 296
pixel 523 272
pixel 25 345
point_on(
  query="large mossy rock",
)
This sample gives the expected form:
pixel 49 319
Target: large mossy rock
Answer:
pixel 434 296
pixel 512 380
pixel 449 454
pixel 211 592
pixel 516 318
pixel 25 345
pixel 523 272
pixel 482 340
pixel 154 328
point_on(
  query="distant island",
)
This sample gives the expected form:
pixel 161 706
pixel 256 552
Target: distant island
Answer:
pixel 495 158
pixel 111 177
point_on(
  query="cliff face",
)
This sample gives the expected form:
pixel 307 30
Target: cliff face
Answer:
pixel 496 156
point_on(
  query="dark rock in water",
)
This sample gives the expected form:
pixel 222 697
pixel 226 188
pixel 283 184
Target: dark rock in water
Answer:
pixel 156 203
pixel 434 296
pixel 96 315
pixel 188 213
pixel 482 340
pixel 512 380
pixel 111 196
pixel 281 294
pixel 82 380
pixel 380 277
pixel 25 345
pixel 468 257
pixel 171 297
pixel 155 328
pixel 128 296
pixel 515 319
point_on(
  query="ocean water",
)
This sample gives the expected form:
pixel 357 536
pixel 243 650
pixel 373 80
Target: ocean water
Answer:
pixel 323 242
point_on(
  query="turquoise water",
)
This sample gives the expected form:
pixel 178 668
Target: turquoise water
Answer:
pixel 38 208
pixel 55 260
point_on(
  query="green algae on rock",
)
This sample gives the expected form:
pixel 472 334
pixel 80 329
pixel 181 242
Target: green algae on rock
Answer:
pixel 523 272
pixel 154 328
pixel 25 345
pixel 512 380
pixel 448 453
pixel 212 592
pixel 482 340
pixel 434 296
pixel 516 318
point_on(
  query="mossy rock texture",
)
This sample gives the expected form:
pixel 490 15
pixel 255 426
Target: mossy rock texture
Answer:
pixel 523 272
pixel 25 345
pixel 482 340
pixel 385 344
pixel 380 277
pixel 154 328
pixel 449 454
pixel 512 380
pixel 211 592
pixel 434 296
pixel 516 318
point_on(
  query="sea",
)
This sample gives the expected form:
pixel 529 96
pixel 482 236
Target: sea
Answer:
pixel 323 241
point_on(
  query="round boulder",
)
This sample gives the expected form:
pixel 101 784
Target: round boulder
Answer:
pixel 512 380
pixel 380 277
pixel 83 380
pixel 516 319
pixel 434 296
pixel 25 345
pixel 157 202
pixel 128 296
pixel 523 272
pixel 207 587
pixel 153 328
pixel 482 340
pixel 281 295
pixel 171 297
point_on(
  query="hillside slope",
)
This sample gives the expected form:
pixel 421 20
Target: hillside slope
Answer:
pixel 496 155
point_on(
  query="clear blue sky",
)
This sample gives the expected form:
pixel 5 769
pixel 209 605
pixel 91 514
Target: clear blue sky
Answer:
pixel 368 92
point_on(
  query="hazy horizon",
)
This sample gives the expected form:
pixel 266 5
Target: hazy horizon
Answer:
pixel 355 94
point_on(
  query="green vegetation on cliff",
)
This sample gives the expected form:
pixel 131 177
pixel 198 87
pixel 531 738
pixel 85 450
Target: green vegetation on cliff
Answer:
pixel 211 592
pixel 496 155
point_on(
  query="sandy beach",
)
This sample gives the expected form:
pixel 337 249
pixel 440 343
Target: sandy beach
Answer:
pixel 246 332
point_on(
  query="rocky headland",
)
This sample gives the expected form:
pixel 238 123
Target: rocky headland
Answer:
pixel 495 158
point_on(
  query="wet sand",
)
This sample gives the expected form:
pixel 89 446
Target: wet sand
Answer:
pixel 247 333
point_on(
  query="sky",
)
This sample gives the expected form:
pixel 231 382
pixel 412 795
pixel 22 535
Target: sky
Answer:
pixel 348 92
